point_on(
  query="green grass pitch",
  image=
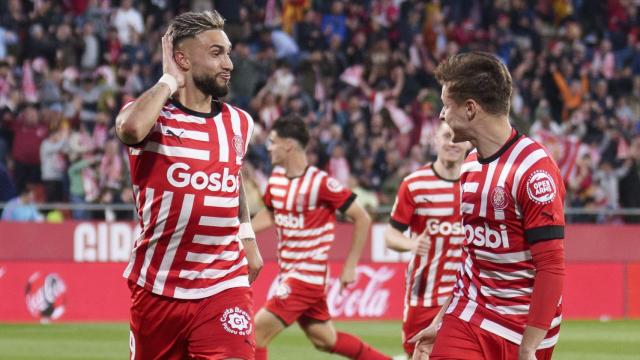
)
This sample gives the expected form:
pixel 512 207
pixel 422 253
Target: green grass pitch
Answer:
pixel 579 340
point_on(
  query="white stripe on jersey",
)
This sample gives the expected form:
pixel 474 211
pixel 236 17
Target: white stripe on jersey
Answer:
pixel 213 240
pixel 428 185
pixel 419 173
pixel 283 181
pixel 236 128
pixel 219 221
pixel 451 265
pixel 513 336
pixel 416 284
pixel 223 142
pixel 448 278
pixel 454 253
pixel 293 191
pixel 240 281
pixel 470 309
pixel 165 208
pixel 445 289
pixel 470 187
pixel 504 258
pixel 277 204
pixel 181 133
pixel 174 242
pixel 504 275
pixel 505 293
pixel 278 192
pixel 471 166
pixel 315 188
pixel 522 309
pixel 433 198
pixel 210 258
pixel 520 146
pixel 228 256
pixel 303 266
pixel 177 151
pixel 304 188
pixel 307 243
pixel 434 211
pixel 249 128
pixel 527 163
pixel 431 274
pixel 210 273
pixel 146 209
pixel 222 202
pixel 316 254
pixel 308 232
pixel 316 280
pixel 485 190
pixel 182 117
pixel 466 208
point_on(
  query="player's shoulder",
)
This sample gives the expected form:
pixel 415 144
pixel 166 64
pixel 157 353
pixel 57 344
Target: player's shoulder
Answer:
pixel 471 162
pixel 425 172
pixel 278 171
pixel 536 155
pixel 234 109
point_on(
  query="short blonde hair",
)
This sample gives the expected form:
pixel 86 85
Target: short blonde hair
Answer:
pixel 190 24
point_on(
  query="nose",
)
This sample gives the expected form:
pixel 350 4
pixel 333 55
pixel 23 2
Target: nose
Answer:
pixel 227 64
pixel 441 114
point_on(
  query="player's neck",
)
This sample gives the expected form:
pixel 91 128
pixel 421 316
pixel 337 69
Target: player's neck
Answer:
pixel 194 99
pixel 448 170
pixel 296 165
pixel 490 135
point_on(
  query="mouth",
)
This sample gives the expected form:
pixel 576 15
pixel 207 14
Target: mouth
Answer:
pixel 225 76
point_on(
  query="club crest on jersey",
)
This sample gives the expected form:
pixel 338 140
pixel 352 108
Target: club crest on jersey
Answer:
pixel 499 198
pixel 334 185
pixel 236 321
pixel 238 145
pixel 540 187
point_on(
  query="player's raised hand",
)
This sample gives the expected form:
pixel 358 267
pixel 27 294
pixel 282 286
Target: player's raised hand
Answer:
pixel 348 277
pixel 422 244
pixel 169 65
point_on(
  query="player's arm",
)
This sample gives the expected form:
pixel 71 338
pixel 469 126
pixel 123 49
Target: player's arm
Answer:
pixel 362 223
pixel 248 237
pixel 401 215
pixel 426 337
pixel 135 121
pixel 262 220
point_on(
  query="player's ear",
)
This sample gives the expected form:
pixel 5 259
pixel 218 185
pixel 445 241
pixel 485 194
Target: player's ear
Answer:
pixel 181 58
pixel 471 109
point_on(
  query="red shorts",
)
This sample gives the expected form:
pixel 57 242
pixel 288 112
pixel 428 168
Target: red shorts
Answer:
pixel 416 319
pixel 217 327
pixel 458 339
pixel 295 299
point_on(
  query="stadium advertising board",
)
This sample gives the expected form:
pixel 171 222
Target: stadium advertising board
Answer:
pixel 73 272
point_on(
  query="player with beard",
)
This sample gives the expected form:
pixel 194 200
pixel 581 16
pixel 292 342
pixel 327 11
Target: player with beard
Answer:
pixel 191 266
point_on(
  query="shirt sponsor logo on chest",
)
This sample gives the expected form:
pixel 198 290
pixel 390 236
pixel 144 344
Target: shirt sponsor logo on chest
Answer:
pixel 179 176
pixel 437 227
pixel 289 221
pixel 486 236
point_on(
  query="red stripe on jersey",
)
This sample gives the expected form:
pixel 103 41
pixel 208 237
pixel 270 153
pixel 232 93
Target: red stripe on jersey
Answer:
pixel 518 189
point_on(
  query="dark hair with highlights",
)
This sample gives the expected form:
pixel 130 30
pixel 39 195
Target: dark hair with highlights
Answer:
pixel 292 127
pixel 190 24
pixel 479 76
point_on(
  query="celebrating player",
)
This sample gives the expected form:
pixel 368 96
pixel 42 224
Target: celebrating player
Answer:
pixel 428 203
pixel 302 200
pixel 507 300
pixel 189 274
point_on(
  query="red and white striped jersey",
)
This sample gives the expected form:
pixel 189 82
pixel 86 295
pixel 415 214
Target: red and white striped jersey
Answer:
pixel 185 178
pixel 509 201
pixel 304 212
pixel 426 201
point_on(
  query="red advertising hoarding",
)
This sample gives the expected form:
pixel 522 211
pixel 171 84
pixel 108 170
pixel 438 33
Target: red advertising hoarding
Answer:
pixel 72 272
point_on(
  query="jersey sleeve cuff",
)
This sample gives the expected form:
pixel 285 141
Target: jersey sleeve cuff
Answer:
pixel 544 233
pixel 398 225
pixel 347 203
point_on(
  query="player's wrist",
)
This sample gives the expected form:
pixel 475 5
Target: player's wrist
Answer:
pixel 170 81
pixel 246 232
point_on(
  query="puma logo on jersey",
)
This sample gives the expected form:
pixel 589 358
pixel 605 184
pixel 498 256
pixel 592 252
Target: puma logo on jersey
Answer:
pixel 170 132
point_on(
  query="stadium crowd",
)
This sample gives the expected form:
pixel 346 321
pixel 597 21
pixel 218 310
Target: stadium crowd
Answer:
pixel 359 72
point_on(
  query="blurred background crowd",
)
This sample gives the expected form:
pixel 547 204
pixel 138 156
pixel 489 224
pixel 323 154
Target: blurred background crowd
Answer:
pixel 360 72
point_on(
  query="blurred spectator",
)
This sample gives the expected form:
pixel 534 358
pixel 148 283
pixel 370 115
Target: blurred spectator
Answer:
pixel 83 185
pixel 53 165
pixel 21 208
pixel 128 21
pixel 630 182
pixel 28 134
pixel 366 198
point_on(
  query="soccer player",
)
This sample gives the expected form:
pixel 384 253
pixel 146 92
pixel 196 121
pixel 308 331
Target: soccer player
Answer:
pixel 190 269
pixel 428 204
pixel 506 303
pixel 302 201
